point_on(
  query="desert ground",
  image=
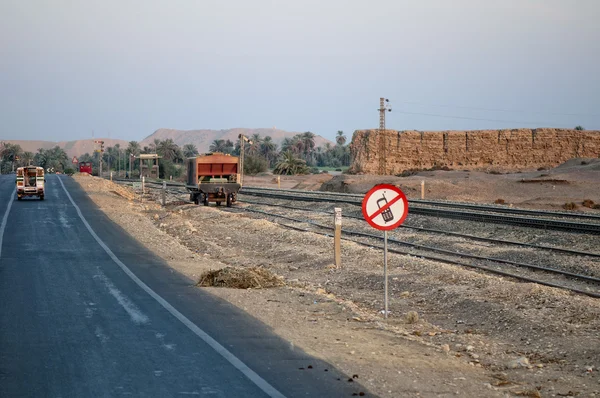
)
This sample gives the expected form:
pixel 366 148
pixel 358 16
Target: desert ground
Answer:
pixel 452 331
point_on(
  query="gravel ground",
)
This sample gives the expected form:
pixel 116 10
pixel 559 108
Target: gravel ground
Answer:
pixel 451 332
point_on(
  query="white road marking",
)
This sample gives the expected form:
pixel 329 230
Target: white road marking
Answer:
pixel 62 217
pixel 232 359
pixel 136 315
pixel 4 219
pixel 101 336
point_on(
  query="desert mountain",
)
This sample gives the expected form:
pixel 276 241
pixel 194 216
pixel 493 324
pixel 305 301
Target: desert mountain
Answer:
pixel 203 138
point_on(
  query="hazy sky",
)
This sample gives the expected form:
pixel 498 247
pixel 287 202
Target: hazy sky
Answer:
pixel 127 68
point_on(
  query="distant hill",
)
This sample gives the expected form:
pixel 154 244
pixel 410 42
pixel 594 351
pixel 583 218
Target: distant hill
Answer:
pixel 73 148
pixel 203 138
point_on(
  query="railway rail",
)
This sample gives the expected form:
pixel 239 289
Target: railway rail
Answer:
pixel 490 215
pixel 575 282
pixel 584 280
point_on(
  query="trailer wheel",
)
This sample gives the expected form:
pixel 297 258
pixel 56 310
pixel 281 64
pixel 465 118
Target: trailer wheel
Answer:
pixel 218 203
pixel 229 200
pixel 205 199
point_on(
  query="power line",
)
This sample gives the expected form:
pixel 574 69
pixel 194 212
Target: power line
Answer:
pixel 481 119
pixel 499 110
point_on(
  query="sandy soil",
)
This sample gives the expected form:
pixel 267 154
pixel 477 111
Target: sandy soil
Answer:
pixel 573 181
pixel 473 335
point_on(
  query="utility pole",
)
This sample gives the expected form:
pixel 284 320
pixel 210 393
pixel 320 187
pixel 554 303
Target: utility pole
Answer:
pixel 131 157
pixel 383 106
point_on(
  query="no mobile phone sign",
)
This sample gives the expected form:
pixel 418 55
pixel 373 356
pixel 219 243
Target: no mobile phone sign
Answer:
pixel 385 207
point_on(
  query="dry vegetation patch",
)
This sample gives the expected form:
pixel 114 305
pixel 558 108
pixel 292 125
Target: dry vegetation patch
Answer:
pixel 241 278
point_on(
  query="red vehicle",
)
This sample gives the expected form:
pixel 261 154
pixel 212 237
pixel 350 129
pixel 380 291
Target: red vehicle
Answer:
pixel 85 167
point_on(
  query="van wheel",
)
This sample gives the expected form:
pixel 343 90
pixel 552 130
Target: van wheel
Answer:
pixel 41 197
pixel 19 198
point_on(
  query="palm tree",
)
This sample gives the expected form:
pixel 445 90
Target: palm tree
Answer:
pixel 290 164
pixel 217 146
pixel 254 147
pixel 308 142
pixel 286 144
pixel 297 144
pixel 229 146
pixel 168 149
pixel 133 148
pixel 340 139
pixel 268 149
pixel 153 147
pixel 27 158
pixel 190 150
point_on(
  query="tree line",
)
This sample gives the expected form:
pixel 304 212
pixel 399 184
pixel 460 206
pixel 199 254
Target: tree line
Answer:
pixel 296 155
pixel 13 156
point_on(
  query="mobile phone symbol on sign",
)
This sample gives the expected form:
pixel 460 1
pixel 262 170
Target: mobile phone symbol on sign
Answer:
pixel 387 213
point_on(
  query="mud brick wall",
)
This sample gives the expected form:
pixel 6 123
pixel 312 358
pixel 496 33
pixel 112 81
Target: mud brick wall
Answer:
pixel 504 149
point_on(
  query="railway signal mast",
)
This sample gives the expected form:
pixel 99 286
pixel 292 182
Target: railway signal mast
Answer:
pixel 384 105
pixel 243 140
pixel 101 151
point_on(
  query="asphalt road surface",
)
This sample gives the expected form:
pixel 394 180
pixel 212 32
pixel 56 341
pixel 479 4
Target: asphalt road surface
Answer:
pixel 86 311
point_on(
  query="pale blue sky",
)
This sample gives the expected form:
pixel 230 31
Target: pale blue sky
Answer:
pixel 129 67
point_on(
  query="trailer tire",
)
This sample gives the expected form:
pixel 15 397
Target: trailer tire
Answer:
pixel 205 199
pixel 229 200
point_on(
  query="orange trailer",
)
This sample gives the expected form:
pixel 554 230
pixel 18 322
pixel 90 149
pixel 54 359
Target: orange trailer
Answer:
pixel 213 177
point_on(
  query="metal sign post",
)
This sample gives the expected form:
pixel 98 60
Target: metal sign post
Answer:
pixel 385 273
pixel 164 193
pixel 385 207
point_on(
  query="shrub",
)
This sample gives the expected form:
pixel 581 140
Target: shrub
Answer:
pixel 254 165
pixel 336 163
pixel 500 201
pixel 411 317
pixel 408 173
pixel 588 203
pixel 570 206
pixel 167 168
pixel 69 170
pixel 315 170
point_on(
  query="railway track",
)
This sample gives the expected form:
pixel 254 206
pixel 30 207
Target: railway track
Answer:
pixel 560 278
pixel 577 283
pixel 488 214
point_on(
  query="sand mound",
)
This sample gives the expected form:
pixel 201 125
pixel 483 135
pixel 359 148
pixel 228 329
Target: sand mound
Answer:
pixel 241 278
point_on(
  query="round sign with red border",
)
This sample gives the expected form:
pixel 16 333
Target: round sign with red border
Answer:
pixel 385 207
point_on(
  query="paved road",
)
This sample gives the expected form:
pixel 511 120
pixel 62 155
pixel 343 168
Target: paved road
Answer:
pixel 86 311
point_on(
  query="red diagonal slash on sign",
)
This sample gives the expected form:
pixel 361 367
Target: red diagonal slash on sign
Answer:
pixel 384 208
